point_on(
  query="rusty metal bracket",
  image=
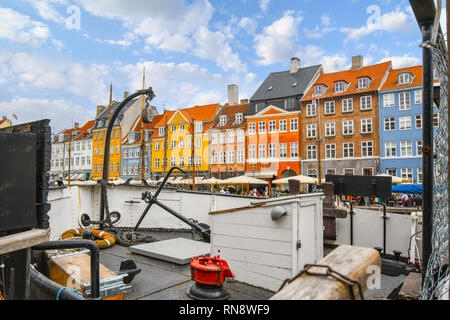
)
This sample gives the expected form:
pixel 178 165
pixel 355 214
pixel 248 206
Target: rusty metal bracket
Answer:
pixel 350 283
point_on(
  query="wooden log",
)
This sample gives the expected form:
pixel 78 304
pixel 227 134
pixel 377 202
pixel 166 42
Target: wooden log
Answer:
pixel 359 264
pixel 23 240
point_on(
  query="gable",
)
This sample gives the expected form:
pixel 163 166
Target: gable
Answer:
pixel 177 117
pixel 271 110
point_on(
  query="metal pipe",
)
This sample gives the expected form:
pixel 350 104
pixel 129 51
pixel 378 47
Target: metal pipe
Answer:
pixel 50 287
pixel 74 244
pixel 151 95
pixel 384 225
pixel 427 137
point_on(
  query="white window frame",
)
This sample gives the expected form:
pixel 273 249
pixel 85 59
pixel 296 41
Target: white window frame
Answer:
pixel 252 128
pixel 294 149
pixel 283 125
pixel 347 124
pixel 367 146
pixel 310 110
pixel 366 103
pixel 311 131
pixel 347 105
pixel 272 126
pixel 330 151
pixel 404 100
pixel 262 127
pixel 390 149
pixel 388 100
pixel 293 124
pixel 330 129
pixel 311 152
pixel 348 146
pixel 404 121
pixel 406 149
pixel 418 96
pixel 389 121
pixel 329 107
pixel 366 126
pixel 252 151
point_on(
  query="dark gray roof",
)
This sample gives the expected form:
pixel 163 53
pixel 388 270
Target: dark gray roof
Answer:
pixel 105 115
pixel 281 84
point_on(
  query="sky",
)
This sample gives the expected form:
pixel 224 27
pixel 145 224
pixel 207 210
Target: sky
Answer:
pixel 59 57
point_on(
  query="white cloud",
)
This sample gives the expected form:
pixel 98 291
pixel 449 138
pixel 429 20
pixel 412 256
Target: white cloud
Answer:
pixel 64 76
pixel 20 28
pixel 325 19
pixel 248 24
pixel 310 54
pixel 277 42
pixel 395 21
pixel 404 61
pixel 60 112
pixel 337 62
pixel 264 5
pixel 46 9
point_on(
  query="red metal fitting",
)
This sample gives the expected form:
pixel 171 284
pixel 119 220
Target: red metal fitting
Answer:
pixel 210 271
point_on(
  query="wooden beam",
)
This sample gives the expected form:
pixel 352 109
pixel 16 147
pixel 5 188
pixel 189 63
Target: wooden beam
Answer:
pixel 356 263
pixel 23 240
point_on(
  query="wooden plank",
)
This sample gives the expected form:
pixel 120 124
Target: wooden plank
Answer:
pixel 412 287
pixel 23 240
pixel 257 232
pixel 355 263
pixel 258 245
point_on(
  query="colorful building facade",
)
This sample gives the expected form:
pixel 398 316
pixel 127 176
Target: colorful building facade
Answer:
pixel 340 121
pixel 401 124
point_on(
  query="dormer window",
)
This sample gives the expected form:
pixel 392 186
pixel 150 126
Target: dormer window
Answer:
pixel 404 78
pixel 363 83
pixel 339 86
pixel 161 131
pixel 223 121
pixel 319 90
pixel 132 137
pixel 239 118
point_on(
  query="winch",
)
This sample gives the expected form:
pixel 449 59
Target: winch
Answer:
pixel 209 274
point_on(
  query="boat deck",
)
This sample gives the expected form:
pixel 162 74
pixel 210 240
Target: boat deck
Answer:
pixel 162 280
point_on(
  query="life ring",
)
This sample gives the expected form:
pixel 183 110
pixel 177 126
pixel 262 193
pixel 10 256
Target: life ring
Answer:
pixel 105 239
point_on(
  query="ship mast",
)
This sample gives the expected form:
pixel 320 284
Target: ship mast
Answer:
pixel 142 132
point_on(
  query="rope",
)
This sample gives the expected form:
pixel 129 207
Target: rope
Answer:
pixel 64 288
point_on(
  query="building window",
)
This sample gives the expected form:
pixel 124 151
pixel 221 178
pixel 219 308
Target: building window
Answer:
pixel 311 131
pixel 418 121
pixel 294 149
pixel 173 162
pixel 310 110
pixel 348 149
pixel 330 171
pixel 389 124
pixel 294 124
pixel 251 127
pixel 223 138
pixel 405 148
pixel 407 173
pixel 189 161
pixel 230 136
pixel 173 144
pixel 367 149
pixel 214 158
pixel 405 122
pixel 388 100
pixel 366 125
pixel 347 127
pixel 239 118
pixel 419 175
pixel 181 162
pixel 318 90
pixel 404 100
pixel 259 106
pixel 156 163
pixel 174 128
pixel 161 131
pixel 330 151
pixel 418 96
pixel 199 126
pixel 339 86
pixel 272 150
pixel 272 126
pixel 283 150
pixel 262 127
pixel 181 143
pixel 436 119
pixel 404 78
pixel 262 151
pixel 329 107
pixel 223 157
pixel 198 161
pixel 240 136
pixel 366 103
pixel 390 149
pixel 240 156
pixel 289 103
pixel 347 105
pixel 419 147
pixel 349 171
pixel 230 156
pixel 363 83
pixel 283 125
pixel 311 152
pixel 330 129
pixel 223 121
pixel 392 172
pixel 252 151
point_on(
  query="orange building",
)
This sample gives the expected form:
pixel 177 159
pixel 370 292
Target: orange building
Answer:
pixel 340 128
pixel 227 142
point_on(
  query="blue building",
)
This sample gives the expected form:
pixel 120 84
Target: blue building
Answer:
pixel 400 119
pixel 131 152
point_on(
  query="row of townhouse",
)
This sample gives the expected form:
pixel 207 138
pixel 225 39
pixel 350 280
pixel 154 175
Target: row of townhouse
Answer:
pixel 362 121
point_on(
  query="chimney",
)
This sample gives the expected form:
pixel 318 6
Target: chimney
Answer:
pixel 357 62
pixel 76 125
pixel 125 94
pixel 233 94
pixel 244 101
pixel 295 65
pixel 100 109
pixel 4 117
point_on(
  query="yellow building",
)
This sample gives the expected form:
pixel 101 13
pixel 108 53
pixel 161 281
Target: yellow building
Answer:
pixel 5 122
pixel 122 125
pixel 180 139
